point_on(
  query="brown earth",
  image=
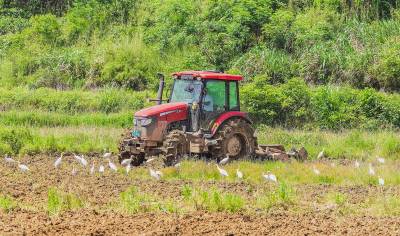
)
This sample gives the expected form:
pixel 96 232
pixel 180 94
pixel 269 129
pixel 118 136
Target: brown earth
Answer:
pixel 85 222
pixel 30 189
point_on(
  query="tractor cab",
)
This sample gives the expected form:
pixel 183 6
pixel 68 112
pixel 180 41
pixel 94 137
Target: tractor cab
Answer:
pixel 208 95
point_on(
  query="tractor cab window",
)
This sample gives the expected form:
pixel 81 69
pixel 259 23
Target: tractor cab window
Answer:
pixel 214 97
pixel 233 96
pixel 213 102
pixel 186 91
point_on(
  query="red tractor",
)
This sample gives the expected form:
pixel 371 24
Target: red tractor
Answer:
pixel 201 116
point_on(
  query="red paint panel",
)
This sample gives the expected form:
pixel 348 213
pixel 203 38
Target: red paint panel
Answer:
pixel 164 110
pixel 226 116
pixel 209 75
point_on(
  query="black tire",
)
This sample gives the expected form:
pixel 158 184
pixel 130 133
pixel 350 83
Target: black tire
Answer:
pixel 236 139
pixel 175 147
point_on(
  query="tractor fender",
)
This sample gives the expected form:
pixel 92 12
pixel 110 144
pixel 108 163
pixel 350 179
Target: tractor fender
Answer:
pixel 227 116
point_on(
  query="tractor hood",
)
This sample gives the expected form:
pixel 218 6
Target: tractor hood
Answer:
pixel 174 109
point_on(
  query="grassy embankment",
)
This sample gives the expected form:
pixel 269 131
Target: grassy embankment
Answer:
pixel 47 120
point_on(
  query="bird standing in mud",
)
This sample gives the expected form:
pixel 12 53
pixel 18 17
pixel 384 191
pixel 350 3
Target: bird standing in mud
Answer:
pixel 155 174
pixel 58 161
pixel 8 159
pixel 112 165
pixel 101 169
pixel 107 155
pixel 92 169
pixel 23 167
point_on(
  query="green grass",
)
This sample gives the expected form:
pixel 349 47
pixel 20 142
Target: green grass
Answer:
pixel 6 203
pixel 283 196
pixel 132 201
pixel 55 119
pixel 349 144
pixel 212 200
pixel 58 201
pixel 72 101
pixel 49 140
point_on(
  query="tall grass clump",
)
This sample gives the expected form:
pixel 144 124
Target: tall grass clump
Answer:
pixel 283 196
pixel 212 200
pixel 107 101
pixel 132 201
pixel 7 204
pixel 58 201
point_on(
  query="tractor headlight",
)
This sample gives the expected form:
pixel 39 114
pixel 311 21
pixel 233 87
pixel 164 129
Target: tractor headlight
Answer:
pixel 145 121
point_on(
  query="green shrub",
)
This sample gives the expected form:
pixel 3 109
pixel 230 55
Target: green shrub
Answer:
pixel 314 25
pixel 46 28
pixel 387 68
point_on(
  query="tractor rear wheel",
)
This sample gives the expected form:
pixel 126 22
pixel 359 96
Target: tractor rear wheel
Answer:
pixel 175 146
pixel 235 139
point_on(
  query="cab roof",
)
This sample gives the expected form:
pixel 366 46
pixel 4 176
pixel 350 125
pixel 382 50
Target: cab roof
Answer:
pixel 208 75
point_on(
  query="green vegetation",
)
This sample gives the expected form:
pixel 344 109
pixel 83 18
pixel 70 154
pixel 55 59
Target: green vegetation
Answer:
pixel 6 203
pixel 306 63
pixel 23 140
pixel 58 201
pixel 212 200
pixel 281 197
pixel 132 201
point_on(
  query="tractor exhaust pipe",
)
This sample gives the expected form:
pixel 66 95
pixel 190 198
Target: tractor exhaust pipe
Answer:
pixel 160 88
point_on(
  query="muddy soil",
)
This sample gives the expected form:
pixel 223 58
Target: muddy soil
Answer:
pixel 197 223
pixel 98 191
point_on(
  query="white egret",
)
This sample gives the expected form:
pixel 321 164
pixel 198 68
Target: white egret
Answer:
pixel 239 174
pixel 321 154
pixel 112 165
pixel 270 177
pixel 126 162
pixel 155 174
pixel 58 161
pixel 177 165
pixel 316 171
pixel 83 161
pixel 225 160
pixel 381 160
pixel 74 171
pixel 371 170
pixel 9 159
pixel 223 172
pixel 381 181
pixel 23 167
pixel 150 160
pixel 107 155
pixel 128 168
pixel 101 169
pixel 92 169
pixel 357 164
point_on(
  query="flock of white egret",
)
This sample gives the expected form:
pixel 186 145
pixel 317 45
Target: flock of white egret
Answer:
pixel 157 174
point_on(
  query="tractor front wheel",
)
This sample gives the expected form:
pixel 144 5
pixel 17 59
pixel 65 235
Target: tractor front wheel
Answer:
pixel 175 146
